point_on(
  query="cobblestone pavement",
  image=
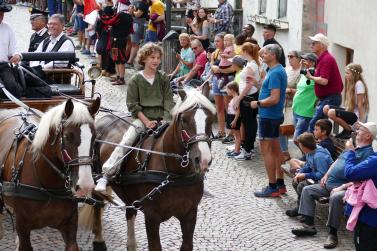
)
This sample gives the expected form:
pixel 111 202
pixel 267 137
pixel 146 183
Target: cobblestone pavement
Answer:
pixel 233 220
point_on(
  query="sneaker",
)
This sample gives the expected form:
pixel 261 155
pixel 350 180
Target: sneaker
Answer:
pixel 292 212
pixel 252 153
pixel 78 47
pixel 306 230
pixel 228 140
pixel 230 148
pixel 282 189
pixel 101 185
pixel 243 155
pixel 232 154
pixel 267 192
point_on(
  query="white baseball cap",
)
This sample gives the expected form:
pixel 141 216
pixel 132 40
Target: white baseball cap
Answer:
pixel 319 37
pixel 372 128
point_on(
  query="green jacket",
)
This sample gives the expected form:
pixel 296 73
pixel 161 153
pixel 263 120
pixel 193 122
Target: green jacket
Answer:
pixel 155 101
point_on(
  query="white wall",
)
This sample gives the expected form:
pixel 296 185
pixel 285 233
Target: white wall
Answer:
pixel 353 24
pixel 290 38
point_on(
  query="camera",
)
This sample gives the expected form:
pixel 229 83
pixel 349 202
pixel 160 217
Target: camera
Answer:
pixel 311 70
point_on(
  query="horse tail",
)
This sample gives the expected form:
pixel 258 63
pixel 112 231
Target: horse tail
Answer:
pixel 91 216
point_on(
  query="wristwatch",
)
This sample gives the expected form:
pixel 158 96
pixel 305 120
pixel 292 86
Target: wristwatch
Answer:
pixel 258 103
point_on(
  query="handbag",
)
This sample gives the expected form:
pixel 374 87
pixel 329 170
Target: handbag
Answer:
pixel 287 130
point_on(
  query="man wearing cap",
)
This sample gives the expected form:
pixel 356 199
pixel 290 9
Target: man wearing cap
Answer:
pixel 304 100
pixel 38 20
pixel 328 82
pixel 269 32
pixel 333 185
pixel 8 54
pixel 222 19
pixel 56 42
pixel 364 174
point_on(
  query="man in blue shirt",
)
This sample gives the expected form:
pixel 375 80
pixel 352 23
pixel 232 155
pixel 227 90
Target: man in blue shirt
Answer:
pixel 271 104
pixel 332 185
pixel 366 228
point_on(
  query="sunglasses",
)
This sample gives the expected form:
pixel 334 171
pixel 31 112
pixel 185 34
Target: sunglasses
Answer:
pixel 194 48
pixel 291 56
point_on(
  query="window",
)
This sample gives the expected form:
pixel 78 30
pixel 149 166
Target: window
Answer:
pixel 282 12
pixel 262 6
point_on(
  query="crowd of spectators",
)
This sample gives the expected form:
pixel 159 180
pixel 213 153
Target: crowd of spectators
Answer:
pixel 255 92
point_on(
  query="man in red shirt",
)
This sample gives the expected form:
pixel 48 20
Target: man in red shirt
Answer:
pixel 199 63
pixel 328 82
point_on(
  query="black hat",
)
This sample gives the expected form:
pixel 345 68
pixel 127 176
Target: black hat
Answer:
pixel 4 6
pixel 37 12
pixel 270 27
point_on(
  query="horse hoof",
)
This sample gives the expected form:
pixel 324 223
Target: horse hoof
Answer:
pixel 99 246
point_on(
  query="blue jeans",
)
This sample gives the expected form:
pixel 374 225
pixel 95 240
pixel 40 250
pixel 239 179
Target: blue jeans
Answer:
pixel 335 99
pixel 151 36
pixel 301 125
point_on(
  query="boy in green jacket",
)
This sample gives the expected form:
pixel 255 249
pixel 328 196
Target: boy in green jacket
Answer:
pixel 149 98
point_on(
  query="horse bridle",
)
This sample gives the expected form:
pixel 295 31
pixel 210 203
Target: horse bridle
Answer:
pixel 68 161
pixel 188 140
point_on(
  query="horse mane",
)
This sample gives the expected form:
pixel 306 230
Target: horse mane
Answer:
pixel 193 98
pixel 52 119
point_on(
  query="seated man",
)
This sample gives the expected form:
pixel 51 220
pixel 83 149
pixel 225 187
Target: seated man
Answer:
pixel 332 184
pixel 318 161
pixel 199 63
pixel 8 54
pixel 56 42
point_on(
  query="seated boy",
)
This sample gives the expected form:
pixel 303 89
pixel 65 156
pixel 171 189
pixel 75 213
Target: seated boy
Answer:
pixel 322 130
pixel 318 161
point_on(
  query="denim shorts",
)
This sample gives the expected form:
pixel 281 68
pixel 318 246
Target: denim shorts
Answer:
pixel 151 36
pixel 269 128
pixel 215 88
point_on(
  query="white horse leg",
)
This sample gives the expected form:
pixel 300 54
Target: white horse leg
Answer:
pixel 17 243
pixel 131 239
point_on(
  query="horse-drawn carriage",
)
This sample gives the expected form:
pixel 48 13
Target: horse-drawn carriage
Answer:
pixel 61 82
pixel 47 166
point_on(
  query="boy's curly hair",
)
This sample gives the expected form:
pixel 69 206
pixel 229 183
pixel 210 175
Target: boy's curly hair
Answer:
pixel 147 50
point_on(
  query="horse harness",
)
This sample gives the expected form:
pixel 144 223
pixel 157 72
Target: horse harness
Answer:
pixel 14 188
pixel 161 179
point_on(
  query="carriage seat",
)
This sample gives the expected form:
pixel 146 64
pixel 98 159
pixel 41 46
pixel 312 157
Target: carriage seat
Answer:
pixel 65 88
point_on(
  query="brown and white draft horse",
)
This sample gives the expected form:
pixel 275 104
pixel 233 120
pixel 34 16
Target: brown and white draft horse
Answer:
pixel 46 168
pixel 141 173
